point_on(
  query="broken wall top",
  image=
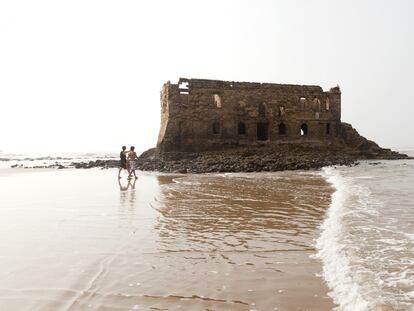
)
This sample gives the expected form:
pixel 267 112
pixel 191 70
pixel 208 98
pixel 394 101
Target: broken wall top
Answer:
pixel 192 84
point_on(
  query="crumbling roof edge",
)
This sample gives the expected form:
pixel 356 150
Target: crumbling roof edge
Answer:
pixel 225 82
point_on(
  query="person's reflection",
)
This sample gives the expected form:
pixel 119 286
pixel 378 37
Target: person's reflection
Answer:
pixel 127 195
pixel 132 193
pixel 134 181
pixel 130 184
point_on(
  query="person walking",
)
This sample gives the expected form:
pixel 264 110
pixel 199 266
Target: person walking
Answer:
pixel 123 163
pixel 132 162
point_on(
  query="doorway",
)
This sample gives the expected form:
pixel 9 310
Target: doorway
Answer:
pixel 304 129
pixel 262 131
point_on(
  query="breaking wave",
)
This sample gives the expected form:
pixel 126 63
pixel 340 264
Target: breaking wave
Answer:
pixel 365 243
pixel 336 267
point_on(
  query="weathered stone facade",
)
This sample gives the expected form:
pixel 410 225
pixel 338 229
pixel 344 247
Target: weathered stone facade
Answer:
pixel 208 114
pixel 221 126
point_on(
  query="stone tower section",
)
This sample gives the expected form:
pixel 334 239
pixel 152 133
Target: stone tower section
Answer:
pixel 201 114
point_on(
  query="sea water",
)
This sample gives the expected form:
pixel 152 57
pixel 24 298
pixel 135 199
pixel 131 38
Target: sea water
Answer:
pixel 366 242
pixel 81 239
pixel 22 159
pixel 84 240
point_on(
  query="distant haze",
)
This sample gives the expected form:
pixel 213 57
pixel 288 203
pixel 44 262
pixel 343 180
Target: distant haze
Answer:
pixel 86 75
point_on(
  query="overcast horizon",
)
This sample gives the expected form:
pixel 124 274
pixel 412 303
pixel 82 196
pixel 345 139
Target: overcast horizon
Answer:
pixel 84 76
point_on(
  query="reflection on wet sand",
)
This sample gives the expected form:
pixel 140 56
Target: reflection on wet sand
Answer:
pixel 263 212
pixel 198 242
pixel 125 185
pixel 244 240
pixel 127 192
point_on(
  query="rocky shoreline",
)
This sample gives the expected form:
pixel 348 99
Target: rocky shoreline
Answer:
pixel 242 159
pixel 346 149
pixel 103 164
pixel 268 159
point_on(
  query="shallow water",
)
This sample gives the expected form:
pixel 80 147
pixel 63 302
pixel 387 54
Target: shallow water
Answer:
pixel 44 159
pixel 367 239
pixel 78 240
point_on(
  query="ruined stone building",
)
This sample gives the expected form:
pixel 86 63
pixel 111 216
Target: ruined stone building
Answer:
pixel 205 114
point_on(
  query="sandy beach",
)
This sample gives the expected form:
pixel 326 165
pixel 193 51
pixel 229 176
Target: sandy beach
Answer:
pixel 80 240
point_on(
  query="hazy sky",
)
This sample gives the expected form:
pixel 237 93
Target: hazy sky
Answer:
pixel 86 75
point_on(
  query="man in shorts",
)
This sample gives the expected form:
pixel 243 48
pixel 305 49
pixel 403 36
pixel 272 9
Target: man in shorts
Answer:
pixel 132 162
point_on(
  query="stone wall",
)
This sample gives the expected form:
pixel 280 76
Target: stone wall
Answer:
pixel 208 114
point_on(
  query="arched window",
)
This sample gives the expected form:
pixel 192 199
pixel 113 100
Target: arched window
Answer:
pixel 328 128
pixel 262 131
pixel 282 129
pixel 217 100
pixel 281 111
pixel 304 129
pixel 242 128
pixel 216 127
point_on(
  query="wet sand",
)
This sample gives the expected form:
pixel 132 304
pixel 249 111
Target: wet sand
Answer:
pixel 79 240
pixel 13 171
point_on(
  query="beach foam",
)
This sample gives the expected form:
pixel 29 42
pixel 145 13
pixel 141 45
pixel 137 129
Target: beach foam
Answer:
pixel 336 267
pixel 365 242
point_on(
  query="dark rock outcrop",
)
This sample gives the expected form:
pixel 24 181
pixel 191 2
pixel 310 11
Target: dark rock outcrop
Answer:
pixel 98 163
pixel 285 156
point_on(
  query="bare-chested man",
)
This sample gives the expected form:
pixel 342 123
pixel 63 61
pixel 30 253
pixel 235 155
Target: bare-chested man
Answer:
pixel 132 162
